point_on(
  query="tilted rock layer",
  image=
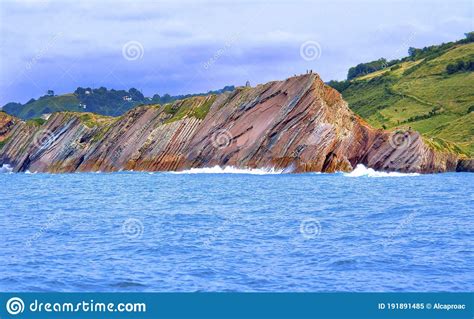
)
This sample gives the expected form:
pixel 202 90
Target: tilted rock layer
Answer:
pixel 299 124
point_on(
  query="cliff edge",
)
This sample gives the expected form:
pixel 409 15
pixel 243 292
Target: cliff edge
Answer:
pixel 299 124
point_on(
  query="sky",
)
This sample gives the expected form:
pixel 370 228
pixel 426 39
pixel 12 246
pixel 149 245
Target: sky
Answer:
pixel 181 47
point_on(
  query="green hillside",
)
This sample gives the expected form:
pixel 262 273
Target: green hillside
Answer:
pixel 431 91
pixel 46 104
pixel 101 101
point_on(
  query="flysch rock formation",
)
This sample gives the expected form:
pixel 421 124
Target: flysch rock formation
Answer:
pixel 299 124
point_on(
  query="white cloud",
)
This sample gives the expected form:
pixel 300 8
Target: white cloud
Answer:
pixel 180 36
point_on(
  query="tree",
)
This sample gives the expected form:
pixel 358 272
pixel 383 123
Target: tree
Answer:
pixel 340 86
pixel 166 98
pixel 469 36
pixel 80 91
pixel 470 66
pixel 411 51
pixel 156 98
pixel 101 90
pixel 136 95
pixel 365 68
pixel 460 65
pixel 451 68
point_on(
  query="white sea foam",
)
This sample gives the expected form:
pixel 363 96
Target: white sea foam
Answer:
pixel 361 170
pixel 6 168
pixel 230 170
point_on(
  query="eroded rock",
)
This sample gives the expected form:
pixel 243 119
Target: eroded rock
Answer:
pixel 299 123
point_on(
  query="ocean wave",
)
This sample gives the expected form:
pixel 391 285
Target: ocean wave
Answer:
pixel 6 168
pixel 230 170
pixel 361 170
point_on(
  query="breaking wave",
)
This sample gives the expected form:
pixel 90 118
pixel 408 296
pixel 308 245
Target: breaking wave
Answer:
pixel 361 170
pixel 230 170
pixel 6 168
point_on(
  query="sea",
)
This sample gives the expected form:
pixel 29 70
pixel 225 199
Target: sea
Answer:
pixel 235 230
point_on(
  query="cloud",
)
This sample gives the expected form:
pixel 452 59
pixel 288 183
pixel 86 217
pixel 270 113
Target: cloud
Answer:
pixel 60 45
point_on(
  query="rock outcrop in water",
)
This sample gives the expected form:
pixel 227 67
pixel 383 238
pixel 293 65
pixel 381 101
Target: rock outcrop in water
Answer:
pixel 299 124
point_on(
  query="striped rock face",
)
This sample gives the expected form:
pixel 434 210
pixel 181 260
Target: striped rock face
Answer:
pixel 299 124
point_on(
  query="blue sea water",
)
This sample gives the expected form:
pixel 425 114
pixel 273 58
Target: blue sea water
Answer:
pixel 236 232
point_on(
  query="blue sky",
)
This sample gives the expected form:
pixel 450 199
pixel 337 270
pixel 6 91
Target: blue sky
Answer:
pixel 181 47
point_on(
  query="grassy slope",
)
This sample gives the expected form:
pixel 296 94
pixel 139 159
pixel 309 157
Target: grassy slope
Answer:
pixel 51 104
pixel 197 107
pixel 100 101
pixel 395 99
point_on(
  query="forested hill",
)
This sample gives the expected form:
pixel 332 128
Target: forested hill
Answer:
pixel 431 91
pixel 101 101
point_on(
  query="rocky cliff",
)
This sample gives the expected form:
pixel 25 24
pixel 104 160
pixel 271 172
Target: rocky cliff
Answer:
pixel 299 124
